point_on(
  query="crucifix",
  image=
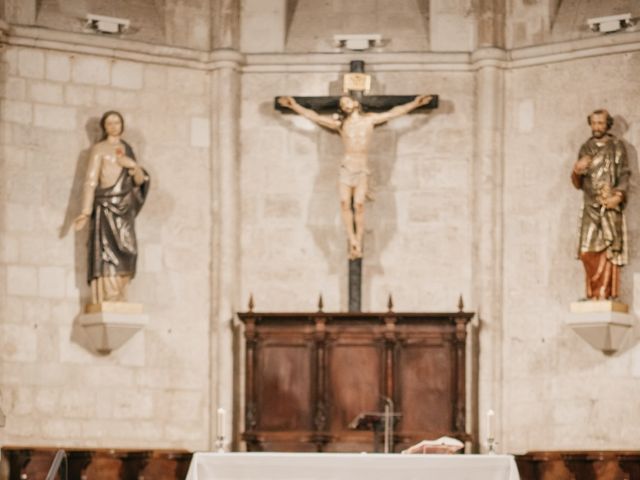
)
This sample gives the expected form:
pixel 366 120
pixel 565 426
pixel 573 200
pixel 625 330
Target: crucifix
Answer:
pixel 360 114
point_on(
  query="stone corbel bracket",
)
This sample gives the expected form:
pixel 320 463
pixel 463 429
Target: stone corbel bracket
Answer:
pixel 108 326
pixel 603 324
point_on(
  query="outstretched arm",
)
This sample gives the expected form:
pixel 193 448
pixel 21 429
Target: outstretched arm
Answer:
pixel 327 122
pixel 400 110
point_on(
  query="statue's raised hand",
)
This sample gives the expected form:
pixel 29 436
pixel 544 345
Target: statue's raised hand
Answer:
pixel 423 99
pixel 286 102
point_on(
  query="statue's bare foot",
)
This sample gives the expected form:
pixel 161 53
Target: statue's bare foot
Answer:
pixel 355 250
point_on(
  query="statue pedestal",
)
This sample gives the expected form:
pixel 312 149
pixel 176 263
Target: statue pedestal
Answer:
pixel 109 325
pixel 604 324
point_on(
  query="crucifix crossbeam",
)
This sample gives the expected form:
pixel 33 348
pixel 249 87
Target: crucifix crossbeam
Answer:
pixel 369 103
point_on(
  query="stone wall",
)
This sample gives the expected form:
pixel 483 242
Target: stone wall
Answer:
pixel 585 399
pixel 429 172
pixel 155 389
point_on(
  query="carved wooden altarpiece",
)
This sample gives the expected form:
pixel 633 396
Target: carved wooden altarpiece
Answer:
pixel 308 375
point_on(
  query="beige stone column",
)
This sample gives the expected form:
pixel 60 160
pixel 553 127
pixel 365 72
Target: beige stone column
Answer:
pixel 487 181
pixel 225 116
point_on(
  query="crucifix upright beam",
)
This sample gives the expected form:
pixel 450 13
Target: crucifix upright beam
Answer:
pixel 361 114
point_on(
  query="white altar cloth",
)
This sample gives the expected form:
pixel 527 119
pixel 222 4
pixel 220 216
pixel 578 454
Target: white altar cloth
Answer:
pixel 350 466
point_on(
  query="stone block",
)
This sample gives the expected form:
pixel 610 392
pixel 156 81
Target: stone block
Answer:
pixel 47 342
pixel 13 308
pixel 77 403
pixel 199 32
pixel 152 258
pixel 47 400
pixel 74 283
pixel 103 375
pixel 9 248
pixel 635 363
pixel 22 280
pixel 184 81
pixel 132 404
pixel 61 428
pixel 526 116
pixel 126 100
pixel 18 344
pixel 281 206
pixel 105 98
pixel 21 400
pixel 155 77
pixel 127 75
pixel 155 378
pixel 16 112
pixel 79 95
pixel 51 282
pixel 26 189
pixel 184 431
pixel 200 132
pixel 64 310
pixel 45 92
pixel 186 405
pixel 36 311
pixel 263 26
pixel 192 378
pixel 30 63
pixel 21 426
pixel 91 71
pixel 15 89
pixel 11 59
pixel 58 67
pixel 55 118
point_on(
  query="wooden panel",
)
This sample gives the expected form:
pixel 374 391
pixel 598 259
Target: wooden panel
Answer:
pixel 284 380
pixel 425 389
pixel 354 370
pixel 308 375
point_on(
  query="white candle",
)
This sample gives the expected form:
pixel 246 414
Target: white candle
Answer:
pixel 490 415
pixel 221 425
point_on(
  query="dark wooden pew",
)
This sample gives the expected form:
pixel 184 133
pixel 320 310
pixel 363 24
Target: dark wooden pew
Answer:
pixel 32 463
pixel 579 465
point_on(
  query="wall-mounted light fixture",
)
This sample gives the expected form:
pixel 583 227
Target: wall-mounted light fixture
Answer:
pixel 102 24
pixel 358 42
pixel 611 23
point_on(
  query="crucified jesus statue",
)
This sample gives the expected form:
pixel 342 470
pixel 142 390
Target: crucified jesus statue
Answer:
pixel 355 129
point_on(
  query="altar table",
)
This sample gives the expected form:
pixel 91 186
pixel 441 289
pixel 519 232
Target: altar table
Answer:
pixel 350 466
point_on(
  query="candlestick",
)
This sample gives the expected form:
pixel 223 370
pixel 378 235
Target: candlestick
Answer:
pixel 491 431
pixel 220 429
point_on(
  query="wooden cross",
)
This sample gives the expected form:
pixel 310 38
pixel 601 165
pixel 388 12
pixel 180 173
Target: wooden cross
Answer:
pixel 356 83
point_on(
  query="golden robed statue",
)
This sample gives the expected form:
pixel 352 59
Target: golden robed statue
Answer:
pixel 602 173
